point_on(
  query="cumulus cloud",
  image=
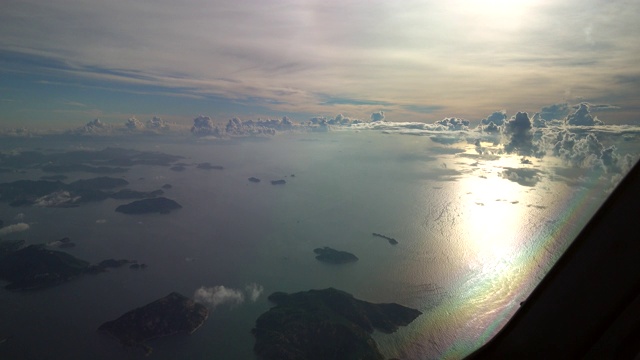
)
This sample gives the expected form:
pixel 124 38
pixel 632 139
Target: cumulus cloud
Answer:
pixel 203 126
pixel 219 295
pixel 133 124
pixel 453 124
pixel 555 111
pixel 521 137
pixel 588 152
pixel 538 121
pixel 156 123
pixel 377 116
pixel 497 118
pixel 93 127
pixel 14 228
pixel 582 117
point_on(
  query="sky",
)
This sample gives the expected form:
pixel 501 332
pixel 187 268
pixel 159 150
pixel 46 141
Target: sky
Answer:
pixel 66 62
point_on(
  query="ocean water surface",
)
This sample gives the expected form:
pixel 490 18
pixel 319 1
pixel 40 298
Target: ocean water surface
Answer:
pixel 473 240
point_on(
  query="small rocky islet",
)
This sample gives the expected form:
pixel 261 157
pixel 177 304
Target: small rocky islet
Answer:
pixel 333 256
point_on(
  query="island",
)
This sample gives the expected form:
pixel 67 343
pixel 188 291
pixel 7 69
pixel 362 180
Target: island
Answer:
pixel 278 182
pixel 207 166
pixel 254 179
pixel 36 266
pixel 333 256
pixel 391 241
pixel 160 205
pixel 325 324
pixel 170 315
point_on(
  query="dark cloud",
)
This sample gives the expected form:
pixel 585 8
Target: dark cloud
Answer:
pixel 452 124
pixel 582 117
pixel 538 121
pixel 522 176
pixel 497 118
pixel 555 111
pixel 588 152
pixel 377 116
pixel 519 130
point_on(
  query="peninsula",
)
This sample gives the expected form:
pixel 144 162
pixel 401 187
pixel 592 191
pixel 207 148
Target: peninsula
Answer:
pixel 325 324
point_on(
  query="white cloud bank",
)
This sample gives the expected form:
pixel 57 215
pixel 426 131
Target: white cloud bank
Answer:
pixel 219 295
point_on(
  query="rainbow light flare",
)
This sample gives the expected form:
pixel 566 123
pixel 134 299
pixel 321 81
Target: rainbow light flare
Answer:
pixel 493 293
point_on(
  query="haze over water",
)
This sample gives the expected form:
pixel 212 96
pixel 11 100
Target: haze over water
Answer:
pixel 471 242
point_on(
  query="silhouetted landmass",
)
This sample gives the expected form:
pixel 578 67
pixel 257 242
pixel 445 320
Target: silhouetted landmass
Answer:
pixel 109 160
pixel 391 241
pixel 36 266
pixel 278 182
pixel 57 193
pixel 333 256
pixel 325 324
pixel 113 263
pixel 53 177
pixel 63 243
pixel 66 168
pixel 170 315
pixel 156 205
pixel 207 166
pixel 254 179
pixel 133 194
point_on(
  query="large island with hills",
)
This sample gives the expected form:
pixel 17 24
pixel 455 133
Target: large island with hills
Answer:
pixel 160 205
pixel 172 314
pixel 325 324
pixel 36 266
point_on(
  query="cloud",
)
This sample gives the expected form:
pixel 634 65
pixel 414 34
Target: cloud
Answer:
pixel 555 111
pixel 93 127
pixel 524 176
pixel 377 116
pixel 582 117
pixel 453 124
pixel 58 198
pixel 14 228
pixel 156 123
pixel 521 136
pixel 133 124
pixel 588 152
pixel 498 118
pixel 254 291
pixel 219 295
pixel 203 126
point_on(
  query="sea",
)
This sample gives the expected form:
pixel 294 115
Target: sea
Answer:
pixel 473 239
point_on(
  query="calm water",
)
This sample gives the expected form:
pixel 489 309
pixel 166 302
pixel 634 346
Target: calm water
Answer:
pixel 471 243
